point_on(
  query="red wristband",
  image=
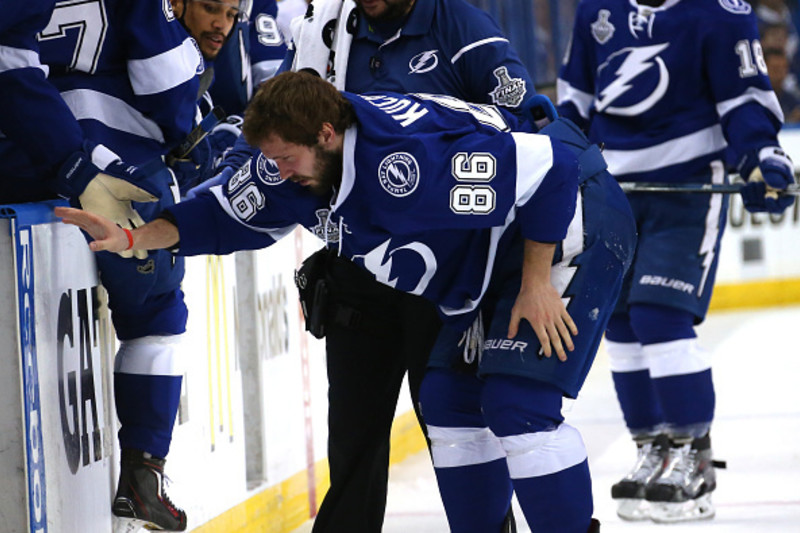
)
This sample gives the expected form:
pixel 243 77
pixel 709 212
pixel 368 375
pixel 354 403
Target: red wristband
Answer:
pixel 130 238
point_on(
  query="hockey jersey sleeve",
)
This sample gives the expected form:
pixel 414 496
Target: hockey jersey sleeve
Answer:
pixel 32 113
pixel 163 62
pixel 490 69
pixel 575 84
pixel 748 107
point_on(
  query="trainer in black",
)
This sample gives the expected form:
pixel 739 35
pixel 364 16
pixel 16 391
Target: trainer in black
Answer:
pixel 629 493
pixel 141 495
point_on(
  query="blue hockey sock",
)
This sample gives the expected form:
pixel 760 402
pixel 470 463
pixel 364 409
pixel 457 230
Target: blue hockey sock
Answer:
pixel 557 503
pixel 638 401
pixel 146 408
pixel 476 497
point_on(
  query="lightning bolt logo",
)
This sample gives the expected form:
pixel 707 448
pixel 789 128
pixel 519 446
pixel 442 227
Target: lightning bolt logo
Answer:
pixel 374 262
pixel 423 62
pixel 637 61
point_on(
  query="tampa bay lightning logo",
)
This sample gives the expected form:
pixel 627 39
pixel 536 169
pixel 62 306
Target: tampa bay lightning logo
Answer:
pixel 740 7
pixel 415 276
pixel 423 62
pixel 267 171
pixel 633 80
pixel 399 174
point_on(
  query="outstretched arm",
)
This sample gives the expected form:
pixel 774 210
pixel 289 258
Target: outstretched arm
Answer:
pixel 540 304
pixel 108 236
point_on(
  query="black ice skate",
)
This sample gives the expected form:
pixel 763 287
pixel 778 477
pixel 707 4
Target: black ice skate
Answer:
pixel 683 492
pixel 141 496
pixel 630 491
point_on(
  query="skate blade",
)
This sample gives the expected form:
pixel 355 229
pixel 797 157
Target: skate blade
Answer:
pixel 669 513
pixel 128 525
pixel 633 509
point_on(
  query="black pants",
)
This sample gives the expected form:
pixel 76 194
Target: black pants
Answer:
pixel 391 334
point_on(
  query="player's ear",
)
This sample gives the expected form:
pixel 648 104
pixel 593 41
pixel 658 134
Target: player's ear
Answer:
pixel 327 135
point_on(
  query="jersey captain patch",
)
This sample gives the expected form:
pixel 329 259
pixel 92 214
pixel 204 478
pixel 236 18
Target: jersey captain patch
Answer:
pixel 399 174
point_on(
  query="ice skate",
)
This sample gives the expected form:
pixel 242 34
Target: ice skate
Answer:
pixel 629 492
pixel 683 491
pixel 141 497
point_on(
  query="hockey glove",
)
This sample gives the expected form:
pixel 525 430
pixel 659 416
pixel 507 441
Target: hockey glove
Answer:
pixel 541 111
pixel 222 138
pixel 95 180
pixel 773 174
pixel 222 177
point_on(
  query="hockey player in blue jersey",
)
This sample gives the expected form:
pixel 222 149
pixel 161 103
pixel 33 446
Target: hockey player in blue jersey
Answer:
pixel 668 87
pixel 437 46
pixel 128 73
pixel 439 198
pixel 251 55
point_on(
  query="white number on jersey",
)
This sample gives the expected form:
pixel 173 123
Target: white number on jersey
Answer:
pixel 89 17
pixel 751 56
pixel 478 167
pixel 268 32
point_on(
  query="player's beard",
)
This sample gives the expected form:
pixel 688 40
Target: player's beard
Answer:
pixel 394 10
pixel 327 171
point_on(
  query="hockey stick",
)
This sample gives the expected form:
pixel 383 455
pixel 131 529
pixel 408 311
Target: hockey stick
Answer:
pixel 198 133
pixel 707 188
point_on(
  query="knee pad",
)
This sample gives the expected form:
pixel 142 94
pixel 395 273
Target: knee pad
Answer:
pixel 154 355
pixel 659 323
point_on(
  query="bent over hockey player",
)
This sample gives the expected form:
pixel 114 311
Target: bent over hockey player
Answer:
pixel 672 87
pixel 438 198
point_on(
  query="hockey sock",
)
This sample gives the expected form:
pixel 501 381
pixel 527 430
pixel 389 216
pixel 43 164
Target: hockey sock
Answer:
pixel 468 459
pixel 147 388
pixel 546 458
pixel 635 392
pixel 681 376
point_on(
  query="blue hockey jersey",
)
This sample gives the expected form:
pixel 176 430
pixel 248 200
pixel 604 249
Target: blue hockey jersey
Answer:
pixel 433 193
pixel 128 71
pixel 251 55
pixel 35 123
pixel 668 89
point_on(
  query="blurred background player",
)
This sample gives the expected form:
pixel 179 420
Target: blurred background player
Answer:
pixel 252 54
pixel 667 87
pixel 129 74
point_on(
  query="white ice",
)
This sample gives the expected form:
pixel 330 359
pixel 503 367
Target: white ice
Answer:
pixel 756 368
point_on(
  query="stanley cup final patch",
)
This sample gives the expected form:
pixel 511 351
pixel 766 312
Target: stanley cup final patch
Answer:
pixel 602 29
pixel 510 91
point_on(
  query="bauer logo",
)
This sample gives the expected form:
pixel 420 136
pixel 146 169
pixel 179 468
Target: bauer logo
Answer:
pixel 399 174
pixel 267 171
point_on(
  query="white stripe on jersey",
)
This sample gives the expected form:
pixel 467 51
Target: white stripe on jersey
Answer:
pixel 703 142
pixel 764 98
pixel 534 160
pixel 112 112
pixel 567 93
pixel 14 58
pixel 166 70
pixel 476 44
